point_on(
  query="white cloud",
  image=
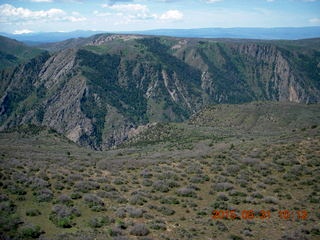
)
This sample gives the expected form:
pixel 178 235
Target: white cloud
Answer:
pixel 111 2
pixel 22 31
pixel 171 15
pixel 213 1
pixel 127 7
pixel 131 11
pixel 315 21
pixel 9 13
pixel 270 0
pixel 75 19
pixel 41 0
pixel 102 14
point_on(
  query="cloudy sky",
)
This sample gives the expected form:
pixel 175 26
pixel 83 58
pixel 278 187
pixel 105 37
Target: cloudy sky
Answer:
pixel 20 16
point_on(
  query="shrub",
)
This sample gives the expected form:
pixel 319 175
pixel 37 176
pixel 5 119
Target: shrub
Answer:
pixel 232 169
pixel 237 193
pixel 223 186
pixel 120 238
pixel 121 200
pixel 158 225
pixel 62 215
pixel 121 224
pixel 21 198
pixel 112 195
pixel 33 212
pixel 247 232
pixel 315 231
pixel 75 195
pixel 98 222
pixel 3 197
pixel 65 199
pixel 134 212
pixel 270 181
pixel 222 197
pixel 194 169
pixel 58 186
pixel 257 195
pixel 30 231
pixel 173 183
pixel 235 237
pixel 168 175
pixel 271 200
pixel 115 232
pixel 297 170
pixel 109 188
pixel 16 189
pixel 250 161
pixel 139 230
pixel 147 182
pixel 74 177
pixel 165 210
pixel 103 194
pixel 121 213
pixel 220 205
pixel 293 235
pixel 64 222
pixel 199 178
pixel 120 181
pixel 44 195
pixel 20 178
pixel 9 223
pixel 86 186
pixel 221 226
pixel 137 200
pixel 146 174
pixel 39 183
pixel 7 207
pixel 160 186
pixel 169 200
pixel 92 200
pixel 186 192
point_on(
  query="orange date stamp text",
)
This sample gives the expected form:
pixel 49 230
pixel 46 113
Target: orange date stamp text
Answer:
pixel 262 214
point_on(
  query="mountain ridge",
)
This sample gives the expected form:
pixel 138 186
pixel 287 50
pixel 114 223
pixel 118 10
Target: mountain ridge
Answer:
pixel 277 33
pixel 100 89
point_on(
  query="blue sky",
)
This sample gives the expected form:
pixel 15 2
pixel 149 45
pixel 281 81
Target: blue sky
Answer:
pixel 22 16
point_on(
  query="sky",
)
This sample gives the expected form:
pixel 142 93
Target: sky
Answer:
pixel 26 16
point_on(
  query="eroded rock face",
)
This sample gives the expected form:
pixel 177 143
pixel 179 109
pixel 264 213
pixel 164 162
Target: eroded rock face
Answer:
pixel 280 81
pixel 99 98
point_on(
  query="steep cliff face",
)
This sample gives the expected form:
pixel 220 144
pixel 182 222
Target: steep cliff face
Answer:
pixel 238 71
pixel 275 73
pixel 97 93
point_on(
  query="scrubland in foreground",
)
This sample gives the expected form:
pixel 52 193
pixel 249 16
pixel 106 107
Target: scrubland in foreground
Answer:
pixel 166 182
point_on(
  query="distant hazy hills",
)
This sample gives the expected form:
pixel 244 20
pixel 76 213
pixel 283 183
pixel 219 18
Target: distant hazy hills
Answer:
pixel 97 91
pixel 244 33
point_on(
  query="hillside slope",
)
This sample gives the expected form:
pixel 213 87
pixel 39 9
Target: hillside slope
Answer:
pixel 13 52
pixel 98 90
pixel 172 180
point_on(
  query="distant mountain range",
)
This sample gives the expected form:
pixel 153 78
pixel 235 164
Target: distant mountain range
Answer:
pixel 243 33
